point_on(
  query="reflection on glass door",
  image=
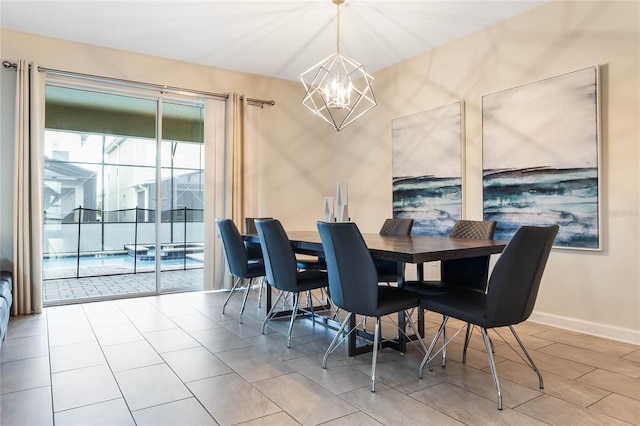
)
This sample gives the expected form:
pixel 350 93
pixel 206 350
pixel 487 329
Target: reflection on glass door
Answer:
pixel 182 195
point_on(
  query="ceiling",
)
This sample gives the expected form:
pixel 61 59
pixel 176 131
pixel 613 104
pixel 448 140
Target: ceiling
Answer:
pixel 272 38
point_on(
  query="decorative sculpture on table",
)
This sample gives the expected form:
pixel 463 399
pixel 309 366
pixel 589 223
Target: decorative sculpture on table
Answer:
pixel 342 203
pixel 328 209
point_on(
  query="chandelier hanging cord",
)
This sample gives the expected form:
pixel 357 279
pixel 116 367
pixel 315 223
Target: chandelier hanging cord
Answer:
pixel 338 3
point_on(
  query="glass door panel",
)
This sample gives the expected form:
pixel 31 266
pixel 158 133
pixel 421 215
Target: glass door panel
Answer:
pixel 100 155
pixel 182 196
pixel 123 205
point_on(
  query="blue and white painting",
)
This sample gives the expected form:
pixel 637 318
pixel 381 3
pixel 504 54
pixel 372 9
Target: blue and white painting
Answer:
pixel 541 158
pixel 427 169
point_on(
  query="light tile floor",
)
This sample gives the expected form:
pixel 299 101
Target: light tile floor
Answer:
pixel 177 360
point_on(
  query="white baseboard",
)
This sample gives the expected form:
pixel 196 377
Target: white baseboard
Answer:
pixel 620 334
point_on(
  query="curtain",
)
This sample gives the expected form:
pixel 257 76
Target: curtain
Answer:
pixel 236 116
pixel 27 192
pixel 233 179
pixel 233 172
pixel 234 185
pixel 251 153
pixel 214 197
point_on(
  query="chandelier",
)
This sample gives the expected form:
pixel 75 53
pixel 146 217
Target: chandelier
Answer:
pixel 338 89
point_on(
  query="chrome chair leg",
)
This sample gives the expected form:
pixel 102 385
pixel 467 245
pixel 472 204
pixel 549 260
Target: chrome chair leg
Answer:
pixel 332 305
pixel 431 346
pixel 376 342
pixel 467 337
pixel 333 345
pixel 310 302
pixel 262 284
pixel 532 364
pixel 412 325
pixel 285 301
pixel 444 346
pixel 296 304
pixel 273 310
pixel 246 296
pixel 235 286
pixel 492 365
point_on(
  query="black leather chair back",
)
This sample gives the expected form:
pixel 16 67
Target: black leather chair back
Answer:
pixel 234 248
pixel 515 279
pixel 253 249
pixel 353 279
pixel 250 224
pixel 279 258
pixel 396 227
pixel 388 269
pixel 471 272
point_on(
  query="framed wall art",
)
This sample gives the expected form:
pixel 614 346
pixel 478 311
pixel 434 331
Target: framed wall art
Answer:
pixel 427 168
pixel 541 158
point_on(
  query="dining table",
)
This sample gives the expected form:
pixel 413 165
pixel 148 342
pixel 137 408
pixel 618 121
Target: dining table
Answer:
pixel 411 249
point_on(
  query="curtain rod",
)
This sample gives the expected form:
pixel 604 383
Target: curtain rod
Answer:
pixel 161 88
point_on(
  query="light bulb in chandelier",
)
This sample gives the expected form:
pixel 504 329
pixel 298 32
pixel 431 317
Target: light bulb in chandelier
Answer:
pixel 338 93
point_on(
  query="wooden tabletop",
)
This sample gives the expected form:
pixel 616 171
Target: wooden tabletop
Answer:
pixel 407 249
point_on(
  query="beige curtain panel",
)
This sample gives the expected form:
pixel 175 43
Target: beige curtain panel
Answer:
pixel 27 198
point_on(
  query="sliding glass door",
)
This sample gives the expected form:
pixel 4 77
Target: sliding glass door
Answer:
pixel 123 193
pixel 182 195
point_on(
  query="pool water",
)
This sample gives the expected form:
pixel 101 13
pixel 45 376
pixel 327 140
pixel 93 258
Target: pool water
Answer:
pixel 118 260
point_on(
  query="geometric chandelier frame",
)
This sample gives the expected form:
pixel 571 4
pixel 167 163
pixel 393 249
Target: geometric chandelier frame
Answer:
pixel 338 89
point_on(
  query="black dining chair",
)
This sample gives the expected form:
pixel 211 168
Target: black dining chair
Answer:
pixel 388 269
pixel 282 271
pixel 509 299
pixel 302 261
pixel 253 248
pixel 471 272
pixel 353 282
pixel 250 225
pixel 240 264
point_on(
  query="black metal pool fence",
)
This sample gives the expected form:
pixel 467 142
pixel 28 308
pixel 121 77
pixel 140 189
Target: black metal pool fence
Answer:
pixel 101 232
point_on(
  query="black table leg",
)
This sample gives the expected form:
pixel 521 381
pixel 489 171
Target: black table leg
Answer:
pixel 402 340
pixel 420 276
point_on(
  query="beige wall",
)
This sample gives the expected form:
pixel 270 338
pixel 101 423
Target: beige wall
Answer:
pixel 300 158
pixel 596 292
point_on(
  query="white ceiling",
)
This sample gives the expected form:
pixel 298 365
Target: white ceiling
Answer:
pixel 272 38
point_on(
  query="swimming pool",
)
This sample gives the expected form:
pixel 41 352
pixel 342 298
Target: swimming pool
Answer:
pixel 109 264
pixel 116 260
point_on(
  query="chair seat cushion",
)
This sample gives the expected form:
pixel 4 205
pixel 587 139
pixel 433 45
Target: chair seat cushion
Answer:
pixel 254 250
pixel 315 263
pixel 467 305
pixel 255 268
pixel 425 288
pixel 311 279
pixel 392 300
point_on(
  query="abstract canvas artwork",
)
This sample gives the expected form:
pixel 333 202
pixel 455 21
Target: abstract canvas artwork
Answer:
pixel 541 150
pixel 427 169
